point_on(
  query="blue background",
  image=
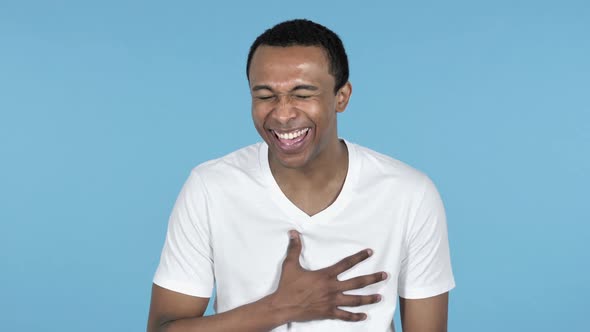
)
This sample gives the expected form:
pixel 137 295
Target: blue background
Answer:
pixel 106 106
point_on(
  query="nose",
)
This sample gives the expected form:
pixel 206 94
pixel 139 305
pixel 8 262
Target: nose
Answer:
pixel 284 111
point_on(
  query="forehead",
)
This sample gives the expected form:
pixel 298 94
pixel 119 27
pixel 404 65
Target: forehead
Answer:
pixel 281 65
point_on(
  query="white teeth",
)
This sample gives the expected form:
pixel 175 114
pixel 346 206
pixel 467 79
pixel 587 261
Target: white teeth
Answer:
pixel 292 135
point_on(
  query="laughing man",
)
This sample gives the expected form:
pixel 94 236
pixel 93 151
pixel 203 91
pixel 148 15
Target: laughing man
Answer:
pixel 305 231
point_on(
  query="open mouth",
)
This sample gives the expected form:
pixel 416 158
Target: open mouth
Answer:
pixel 291 141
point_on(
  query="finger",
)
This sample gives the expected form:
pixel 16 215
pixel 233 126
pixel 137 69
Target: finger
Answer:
pixel 362 281
pixel 350 261
pixel 357 300
pixel 348 316
pixel 294 249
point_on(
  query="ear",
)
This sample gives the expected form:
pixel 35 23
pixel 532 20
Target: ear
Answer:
pixel 343 96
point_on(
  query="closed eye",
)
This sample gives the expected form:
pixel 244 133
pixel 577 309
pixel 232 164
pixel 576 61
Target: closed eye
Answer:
pixel 264 97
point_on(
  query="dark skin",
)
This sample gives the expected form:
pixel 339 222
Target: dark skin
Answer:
pixel 292 89
pixel 302 295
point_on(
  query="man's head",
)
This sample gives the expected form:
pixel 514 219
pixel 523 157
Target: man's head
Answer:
pixel 298 75
pixel 302 32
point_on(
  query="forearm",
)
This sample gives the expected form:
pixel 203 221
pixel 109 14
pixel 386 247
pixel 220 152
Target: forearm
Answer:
pixel 259 316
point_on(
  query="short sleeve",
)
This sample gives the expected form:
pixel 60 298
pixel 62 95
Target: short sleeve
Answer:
pixel 426 270
pixel 186 263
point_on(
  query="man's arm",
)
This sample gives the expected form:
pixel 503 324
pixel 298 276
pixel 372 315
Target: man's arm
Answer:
pixel 424 315
pixel 171 311
pixel 302 295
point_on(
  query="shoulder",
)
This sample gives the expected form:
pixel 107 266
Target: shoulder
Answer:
pixel 378 168
pixel 241 163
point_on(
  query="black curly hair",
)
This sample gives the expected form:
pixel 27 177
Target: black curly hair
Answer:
pixel 304 32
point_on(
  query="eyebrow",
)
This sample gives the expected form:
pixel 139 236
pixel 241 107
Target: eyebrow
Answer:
pixel 298 87
pixel 305 87
pixel 261 87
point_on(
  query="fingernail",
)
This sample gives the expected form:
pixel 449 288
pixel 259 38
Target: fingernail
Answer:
pixel 370 252
pixel 292 234
pixel 384 275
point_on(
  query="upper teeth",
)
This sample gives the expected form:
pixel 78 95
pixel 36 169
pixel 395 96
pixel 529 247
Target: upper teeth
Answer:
pixel 293 134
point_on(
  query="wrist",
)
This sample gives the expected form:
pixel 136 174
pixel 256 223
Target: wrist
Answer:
pixel 280 314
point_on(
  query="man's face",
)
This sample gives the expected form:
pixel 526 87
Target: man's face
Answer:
pixel 293 103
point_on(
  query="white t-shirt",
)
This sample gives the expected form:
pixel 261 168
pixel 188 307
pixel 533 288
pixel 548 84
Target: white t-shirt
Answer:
pixel 230 223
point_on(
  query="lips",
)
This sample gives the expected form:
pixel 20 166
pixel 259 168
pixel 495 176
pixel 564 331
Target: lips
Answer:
pixel 290 142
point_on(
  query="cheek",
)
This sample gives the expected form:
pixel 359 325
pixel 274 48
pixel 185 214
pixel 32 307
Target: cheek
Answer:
pixel 322 114
pixel 259 115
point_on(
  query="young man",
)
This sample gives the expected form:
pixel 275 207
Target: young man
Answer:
pixel 305 231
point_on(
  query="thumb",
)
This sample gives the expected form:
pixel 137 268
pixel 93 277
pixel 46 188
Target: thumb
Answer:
pixel 294 249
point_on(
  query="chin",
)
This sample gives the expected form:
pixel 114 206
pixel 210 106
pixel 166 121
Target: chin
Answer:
pixel 297 161
pixel 291 163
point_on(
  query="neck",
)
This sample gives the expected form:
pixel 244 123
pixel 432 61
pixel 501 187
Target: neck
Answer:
pixel 331 165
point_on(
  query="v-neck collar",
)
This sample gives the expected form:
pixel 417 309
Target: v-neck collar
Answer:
pixel 294 213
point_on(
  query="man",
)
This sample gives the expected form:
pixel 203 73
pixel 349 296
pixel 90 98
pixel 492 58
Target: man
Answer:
pixel 306 231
